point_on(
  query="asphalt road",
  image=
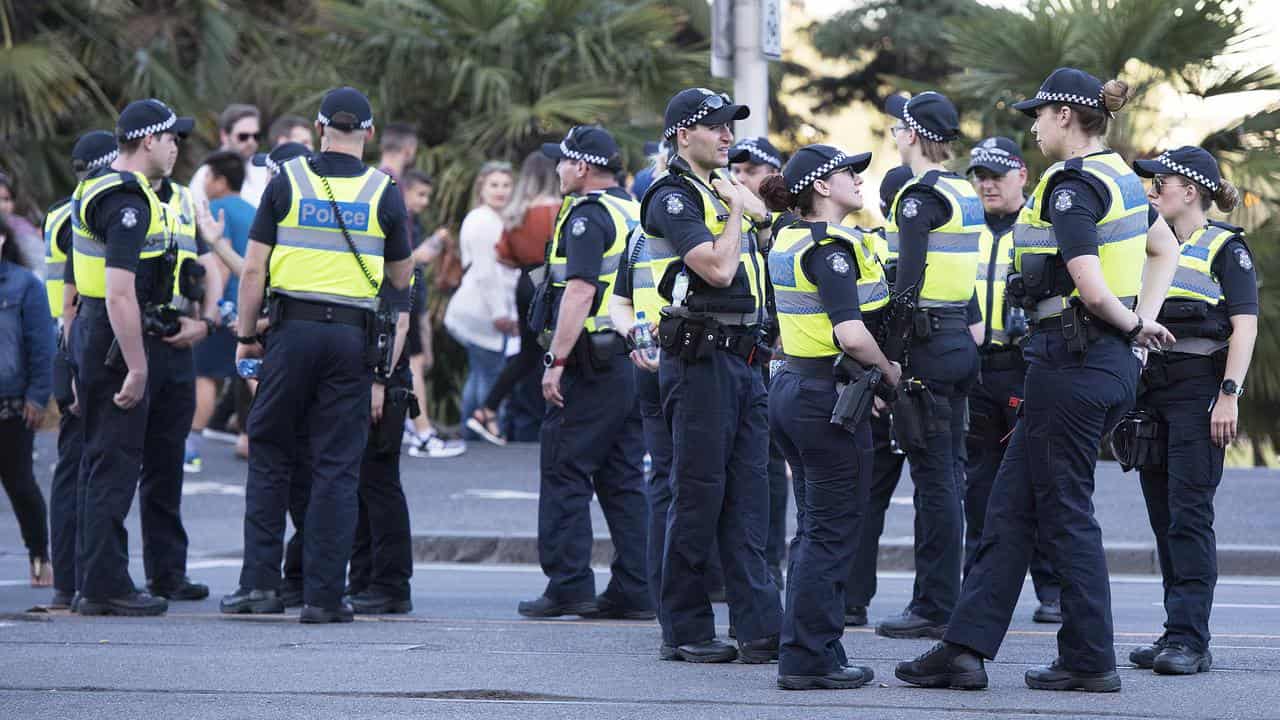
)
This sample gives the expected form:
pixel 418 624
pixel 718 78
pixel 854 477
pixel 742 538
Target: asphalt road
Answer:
pixel 465 654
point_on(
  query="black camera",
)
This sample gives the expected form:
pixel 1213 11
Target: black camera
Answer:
pixel 191 280
pixel 160 321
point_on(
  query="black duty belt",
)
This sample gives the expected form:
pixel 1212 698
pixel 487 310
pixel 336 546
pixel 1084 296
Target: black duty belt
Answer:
pixel 294 309
pixel 945 319
pixel 741 341
pixel 1002 357
pixel 1095 327
pixel 1163 370
pixel 820 368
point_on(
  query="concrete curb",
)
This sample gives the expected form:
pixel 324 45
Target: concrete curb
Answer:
pixel 895 553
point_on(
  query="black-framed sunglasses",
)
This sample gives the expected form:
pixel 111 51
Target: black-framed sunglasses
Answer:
pixel 1160 182
pixel 246 137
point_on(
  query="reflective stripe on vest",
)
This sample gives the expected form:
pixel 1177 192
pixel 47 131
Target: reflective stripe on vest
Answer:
pixel 993 271
pixel 55 261
pixel 953 246
pixel 644 287
pixel 89 251
pixel 625 216
pixel 1194 278
pixel 1122 231
pixel 182 212
pixel 805 326
pixel 311 259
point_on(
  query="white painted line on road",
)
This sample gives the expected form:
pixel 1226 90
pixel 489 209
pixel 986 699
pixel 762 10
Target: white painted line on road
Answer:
pixel 205 487
pixel 900 500
pixel 215 563
pixel 1239 606
pixel 482 494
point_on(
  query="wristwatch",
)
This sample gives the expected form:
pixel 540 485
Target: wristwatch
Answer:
pixel 1133 334
pixel 210 326
pixel 248 339
pixel 1231 387
pixel 549 360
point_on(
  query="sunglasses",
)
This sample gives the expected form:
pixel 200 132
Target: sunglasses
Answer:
pixel 713 102
pixel 246 137
pixel 1160 182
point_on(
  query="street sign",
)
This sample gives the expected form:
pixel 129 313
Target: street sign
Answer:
pixel 771 29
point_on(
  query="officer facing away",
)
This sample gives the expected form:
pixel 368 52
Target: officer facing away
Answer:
pixel 998 174
pixel 94 150
pixel 124 253
pixel 591 434
pixel 707 263
pixel 327 230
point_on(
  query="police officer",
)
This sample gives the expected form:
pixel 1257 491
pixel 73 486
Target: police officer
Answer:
pixel 191 315
pixel 999 174
pixel 1079 246
pixel 937 217
pixel 327 230
pixel 1212 307
pixel 887 458
pixel 93 150
pixel 592 437
pixel 125 255
pixel 825 276
pixel 751 160
pixel 706 259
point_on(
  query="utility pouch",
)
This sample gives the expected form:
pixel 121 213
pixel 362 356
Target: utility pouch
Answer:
pixel 921 325
pixel 190 277
pixel 399 402
pixel 63 371
pixel 911 413
pixel 1075 328
pixel 1141 441
pixel 1036 276
pixel 602 348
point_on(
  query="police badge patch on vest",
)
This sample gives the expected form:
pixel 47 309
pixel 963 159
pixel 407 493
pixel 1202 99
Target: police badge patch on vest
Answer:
pixel 578 227
pixel 675 205
pixel 839 263
pixel 1243 260
pixel 910 207
pixel 1064 200
pixel 129 217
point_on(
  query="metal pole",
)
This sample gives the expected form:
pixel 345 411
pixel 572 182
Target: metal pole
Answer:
pixel 750 68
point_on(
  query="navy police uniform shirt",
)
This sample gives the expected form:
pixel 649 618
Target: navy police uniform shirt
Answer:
pixel 1233 267
pixel 675 213
pixel 279 195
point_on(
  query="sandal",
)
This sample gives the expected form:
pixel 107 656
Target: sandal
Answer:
pixel 484 422
pixel 41 573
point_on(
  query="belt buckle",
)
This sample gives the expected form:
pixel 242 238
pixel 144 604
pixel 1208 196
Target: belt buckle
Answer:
pixel 328 313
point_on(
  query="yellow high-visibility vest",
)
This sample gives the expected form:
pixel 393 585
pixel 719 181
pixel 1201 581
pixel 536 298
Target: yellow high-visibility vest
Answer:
pixel 89 252
pixel 625 215
pixel 953 247
pixel 55 261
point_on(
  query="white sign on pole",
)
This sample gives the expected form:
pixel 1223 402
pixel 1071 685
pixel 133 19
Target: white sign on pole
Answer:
pixel 771 29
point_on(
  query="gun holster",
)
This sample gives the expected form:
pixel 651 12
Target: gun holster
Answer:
pixel 381 341
pixel 913 416
pixel 855 399
pixel 399 402
pixel 1140 440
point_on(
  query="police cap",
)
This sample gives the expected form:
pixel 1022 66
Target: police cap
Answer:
pixel 141 118
pixel 700 106
pixel 930 114
pixel 814 162
pixel 591 144
pixel 93 150
pixel 279 155
pixel 757 151
pixel 996 154
pixel 345 109
pixel 1065 85
pixel 1193 163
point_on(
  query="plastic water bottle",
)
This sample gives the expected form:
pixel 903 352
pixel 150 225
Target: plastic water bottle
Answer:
pixel 227 311
pixel 643 338
pixel 680 289
pixel 648 467
pixel 249 367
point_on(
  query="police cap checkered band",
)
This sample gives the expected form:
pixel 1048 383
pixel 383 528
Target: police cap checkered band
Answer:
pixel 1061 97
pixel 999 156
pixel 914 125
pixel 703 110
pixel 585 157
pixel 342 120
pixel 103 161
pixel 817 173
pixel 1178 168
pixel 152 129
pixel 759 153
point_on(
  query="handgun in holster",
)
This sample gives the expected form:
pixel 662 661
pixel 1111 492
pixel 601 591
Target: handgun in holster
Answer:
pixel 856 388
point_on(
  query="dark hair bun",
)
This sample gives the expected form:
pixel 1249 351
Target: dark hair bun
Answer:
pixel 776 196
pixel 1227 198
pixel 1115 93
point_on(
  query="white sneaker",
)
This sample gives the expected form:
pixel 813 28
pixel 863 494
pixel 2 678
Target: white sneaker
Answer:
pixel 478 428
pixel 219 435
pixel 434 446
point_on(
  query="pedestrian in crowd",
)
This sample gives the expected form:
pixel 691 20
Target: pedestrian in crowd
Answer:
pixel 1079 247
pixel 225 229
pixel 93 150
pixel 239 131
pixel 999 174
pixel 528 221
pixel 326 270
pixel 829 288
pixel 656 153
pixel 419 434
pixel 1212 308
pixel 938 217
pixel 707 263
pixel 591 436
pixel 887 457
pixel 24 236
pixel 26 362
pixel 290 128
pixel 124 249
pixel 482 313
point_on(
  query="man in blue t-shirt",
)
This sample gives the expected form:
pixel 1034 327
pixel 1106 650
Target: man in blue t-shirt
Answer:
pixel 225 228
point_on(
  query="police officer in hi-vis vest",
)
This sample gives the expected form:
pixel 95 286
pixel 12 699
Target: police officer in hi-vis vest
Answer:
pixel 1193 389
pixel 937 219
pixel 592 438
pixel 124 251
pixel 93 150
pixel 999 174
pixel 1093 277
pixel 829 286
pixel 705 257
pixel 328 229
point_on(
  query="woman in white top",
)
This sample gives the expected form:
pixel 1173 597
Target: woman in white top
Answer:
pixel 482 313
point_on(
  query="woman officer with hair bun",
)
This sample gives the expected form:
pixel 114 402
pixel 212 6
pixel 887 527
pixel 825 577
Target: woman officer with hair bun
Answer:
pixel 1086 246
pixel 828 286
pixel 1193 388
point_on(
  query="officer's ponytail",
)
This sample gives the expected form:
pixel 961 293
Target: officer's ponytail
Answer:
pixel 1226 197
pixel 1115 93
pixel 1094 122
pixel 776 196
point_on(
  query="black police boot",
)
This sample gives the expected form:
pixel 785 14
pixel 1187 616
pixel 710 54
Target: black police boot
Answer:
pixel 945 665
pixel 1145 655
pixel 910 625
pixel 1178 659
pixel 75 603
pixel 372 602
pixel 135 604
pixel 760 651
pixel 184 589
pixel 855 615
pixel 1048 612
pixel 1056 677
pixel 608 609
pixel 291 596
pixel 255 602
pixel 312 615
pixel 545 607
pixel 61 600
pixel 846 678
pixel 707 651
